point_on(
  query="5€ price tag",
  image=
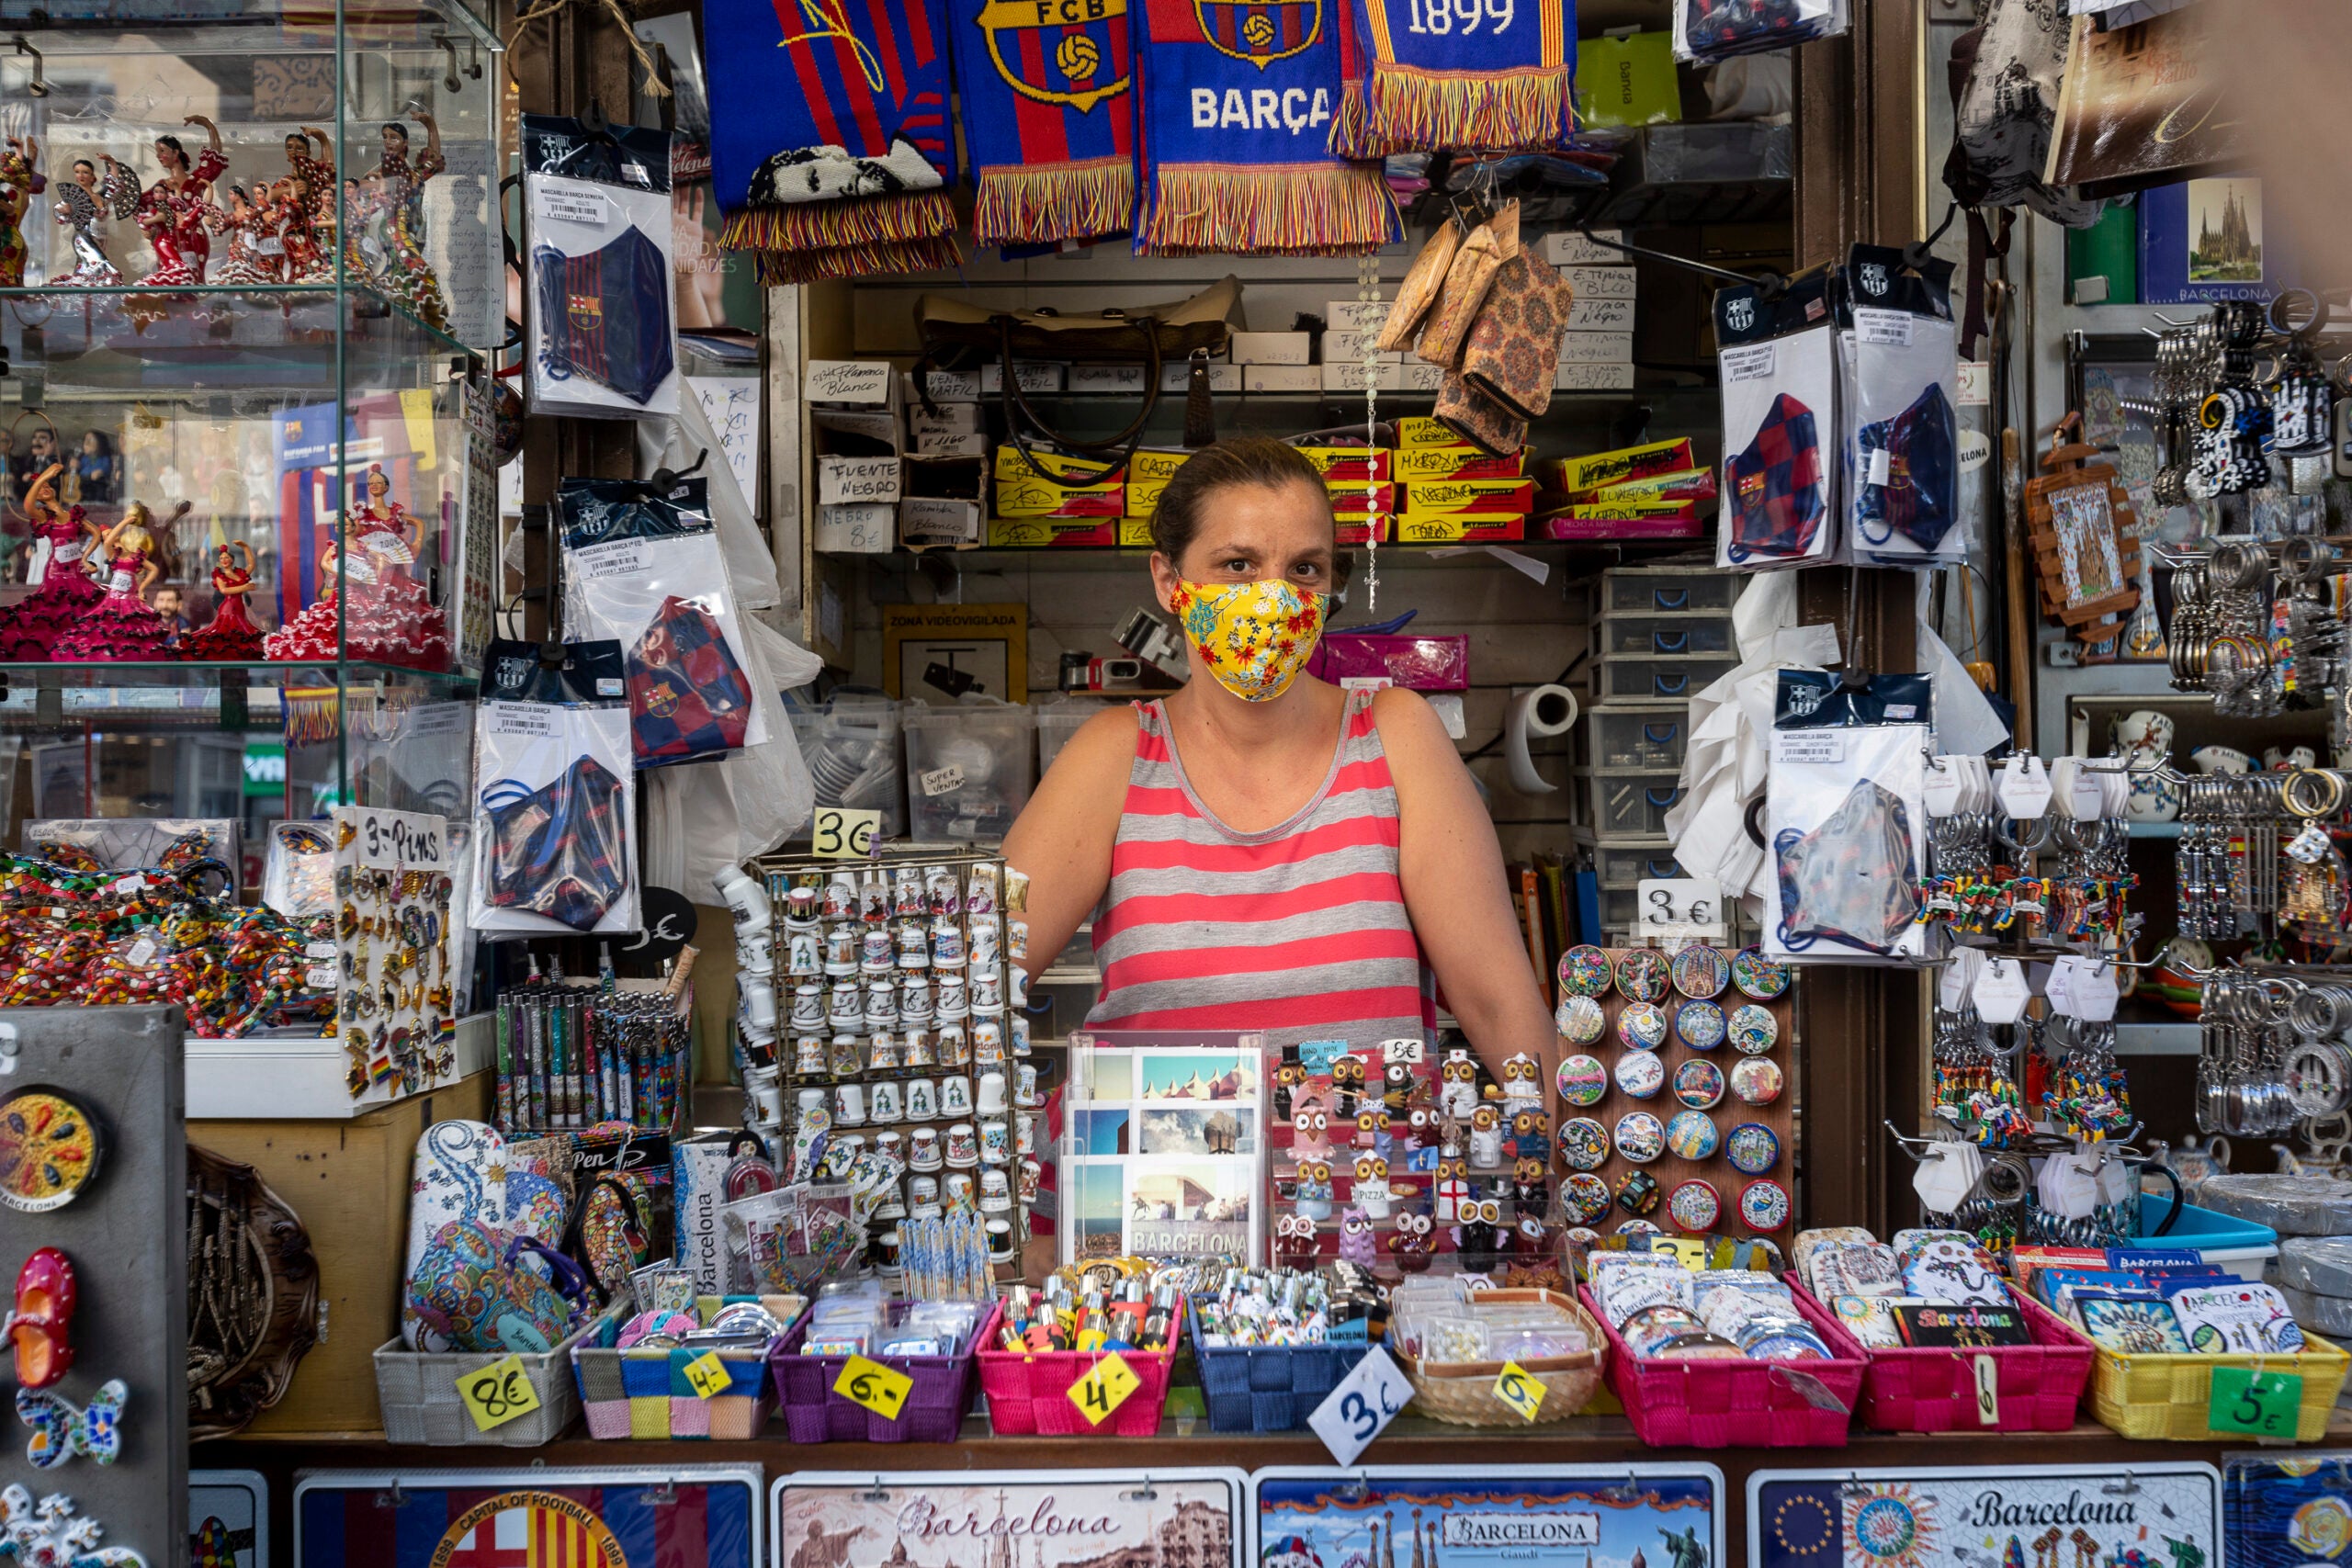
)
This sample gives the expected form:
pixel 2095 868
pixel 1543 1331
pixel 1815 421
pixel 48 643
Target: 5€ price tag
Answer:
pixel 836 833
pixel 875 1386
pixel 1105 1389
pixel 1518 1389
pixel 707 1376
pixel 497 1393
pixel 1361 1408
pixel 2261 1404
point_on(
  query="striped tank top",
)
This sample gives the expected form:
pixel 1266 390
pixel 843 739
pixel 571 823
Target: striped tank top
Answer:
pixel 1299 931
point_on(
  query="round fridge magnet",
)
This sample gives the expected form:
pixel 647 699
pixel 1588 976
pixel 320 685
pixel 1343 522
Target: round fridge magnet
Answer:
pixel 49 1150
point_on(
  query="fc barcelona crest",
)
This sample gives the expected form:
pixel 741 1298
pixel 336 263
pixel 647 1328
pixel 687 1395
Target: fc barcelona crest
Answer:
pixel 528 1529
pixel 1059 51
pixel 1261 31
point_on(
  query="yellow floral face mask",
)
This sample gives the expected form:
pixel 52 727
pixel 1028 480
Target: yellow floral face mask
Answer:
pixel 1254 636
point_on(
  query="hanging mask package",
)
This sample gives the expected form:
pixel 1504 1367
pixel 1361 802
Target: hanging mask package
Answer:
pixel 1902 412
pixel 1707 30
pixel 1780 398
pixel 1845 809
pixel 555 794
pixel 602 335
pixel 641 566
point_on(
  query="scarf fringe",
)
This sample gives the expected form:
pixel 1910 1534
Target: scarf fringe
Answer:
pixel 1303 209
pixel 1351 134
pixel 1432 109
pixel 1020 205
pixel 935 253
pixel 832 225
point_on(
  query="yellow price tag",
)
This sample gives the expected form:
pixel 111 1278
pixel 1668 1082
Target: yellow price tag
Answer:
pixel 875 1386
pixel 497 1393
pixel 1518 1388
pixel 707 1375
pixel 1105 1389
pixel 839 834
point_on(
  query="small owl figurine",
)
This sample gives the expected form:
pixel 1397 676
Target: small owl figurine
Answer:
pixel 1356 1244
pixel 1372 1126
pixel 1315 1188
pixel 1347 1085
pixel 1531 1134
pixel 1295 1243
pixel 1529 1193
pixel 1480 1220
pixel 1370 1191
pixel 1396 1087
pixel 1310 1123
pixel 1413 1242
pixel 1459 1097
pixel 1486 1137
pixel 1522 1083
pixel 1289 1079
pixel 1420 1129
pixel 1453 1183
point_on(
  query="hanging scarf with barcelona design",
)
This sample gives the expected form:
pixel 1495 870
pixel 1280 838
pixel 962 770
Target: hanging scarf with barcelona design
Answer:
pixel 1432 75
pixel 1049 118
pixel 1238 102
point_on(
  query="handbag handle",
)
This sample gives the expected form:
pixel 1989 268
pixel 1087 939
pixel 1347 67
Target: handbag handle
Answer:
pixel 570 1281
pixel 632 1224
pixel 1015 403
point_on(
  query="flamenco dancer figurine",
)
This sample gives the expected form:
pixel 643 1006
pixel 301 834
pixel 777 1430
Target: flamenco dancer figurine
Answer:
pixel 249 227
pixel 120 625
pixel 81 202
pixel 19 183
pixel 399 195
pixel 63 591
pixel 306 261
pixel 231 635
pixel 392 619
pixel 177 207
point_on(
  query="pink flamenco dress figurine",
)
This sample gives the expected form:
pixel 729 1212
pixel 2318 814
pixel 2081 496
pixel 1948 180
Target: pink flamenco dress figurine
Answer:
pixel 231 637
pixel 63 591
pixel 392 619
pixel 120 627
pixel 250 228
pixel 19 183
pixel 176 208
pixel 81 202
pixel 399 193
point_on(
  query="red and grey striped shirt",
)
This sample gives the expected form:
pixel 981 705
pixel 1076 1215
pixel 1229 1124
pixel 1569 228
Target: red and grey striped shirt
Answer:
pixel 1299 930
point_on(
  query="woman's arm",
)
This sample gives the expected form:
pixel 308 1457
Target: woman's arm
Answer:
pixel 1064 836
pixel 1455 892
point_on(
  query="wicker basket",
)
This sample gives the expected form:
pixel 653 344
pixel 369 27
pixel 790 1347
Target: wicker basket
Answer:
pixel 644 1394
pixel 2170 1396
pixel 2039 1386
pixel 1463 1392
pixel 418 1392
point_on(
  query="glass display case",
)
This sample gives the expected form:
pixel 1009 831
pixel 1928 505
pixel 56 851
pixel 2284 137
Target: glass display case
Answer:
pixel 249 270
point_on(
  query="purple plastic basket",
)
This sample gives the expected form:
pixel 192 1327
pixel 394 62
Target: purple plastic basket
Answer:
pixel 934 1412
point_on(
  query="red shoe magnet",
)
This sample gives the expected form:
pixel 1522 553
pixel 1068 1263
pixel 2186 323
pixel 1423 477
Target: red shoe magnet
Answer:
pixel 40 1329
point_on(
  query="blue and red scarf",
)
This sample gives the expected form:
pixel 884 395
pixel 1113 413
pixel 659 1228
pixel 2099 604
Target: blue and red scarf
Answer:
pixel 1049 118
pixel 1237 101
pixel 1434 76
pixel 834 158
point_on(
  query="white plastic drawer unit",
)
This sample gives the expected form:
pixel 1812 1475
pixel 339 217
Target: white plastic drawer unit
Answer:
pixel 1667 636
pixel 1647 680
pixel 1668 592
pixel 1646 739
pixel 1630 865
pixel 1630 805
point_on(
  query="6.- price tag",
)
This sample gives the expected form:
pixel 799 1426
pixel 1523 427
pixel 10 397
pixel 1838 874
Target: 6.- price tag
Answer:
pixel 1518 1388
pixel 1361 1408
pixel 497 1393
pixel 1988 1392
pixel 707 1375
pixel 836 833
pixel 2263 1404
pixel 1105 1389
pixel 875 1386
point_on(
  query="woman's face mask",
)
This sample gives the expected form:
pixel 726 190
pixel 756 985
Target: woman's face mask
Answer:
pixel 1253 637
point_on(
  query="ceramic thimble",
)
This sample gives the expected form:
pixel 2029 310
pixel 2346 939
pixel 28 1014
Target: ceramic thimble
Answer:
pixel 922 1149
pixel 956 1095
pixel 923 1100
pixel 963 1147
pixel 991 1101
pixel 887 1106
pixel 996 1142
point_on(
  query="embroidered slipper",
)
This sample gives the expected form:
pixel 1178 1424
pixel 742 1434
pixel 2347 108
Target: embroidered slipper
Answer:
pixel 40 1326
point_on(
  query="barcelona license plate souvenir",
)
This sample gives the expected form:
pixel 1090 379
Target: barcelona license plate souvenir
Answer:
pixel 2138 1516
pixel 1667 1515
pixel 593 1518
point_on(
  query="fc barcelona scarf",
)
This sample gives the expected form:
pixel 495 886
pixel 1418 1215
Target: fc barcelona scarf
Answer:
pixel 1238 100
pixel 832 158
pixel 1434 76
pixel 1049 118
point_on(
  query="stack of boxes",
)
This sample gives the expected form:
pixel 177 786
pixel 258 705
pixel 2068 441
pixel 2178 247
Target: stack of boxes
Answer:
pixel 1453 494
pixel 1148 475
pixel 1596 350
pixel 1654 492
pixel 1069 504
pixel 1349 328
pixel 1663 635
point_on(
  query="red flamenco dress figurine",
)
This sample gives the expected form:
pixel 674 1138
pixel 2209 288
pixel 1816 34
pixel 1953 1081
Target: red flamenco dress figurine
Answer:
pixel 120 625
pixel 232 637
pixel 63 591
pixel 177 209
pixel 392 619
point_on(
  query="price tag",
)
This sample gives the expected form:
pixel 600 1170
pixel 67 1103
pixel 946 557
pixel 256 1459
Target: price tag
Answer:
pixel 1518 1389
pixel 1959 976
pixel 1690 904
pixel 2058 985
pixel 707 1376
pixel 2001 991
pixel 2024 789
pixel 1988 1392
pixel 1105 1389
pixel 1357 1411
pixel 836 833
pixel 1942 790
pixel 2093 993
pixel 2262 1405
pixel 875 1386
pixel 497 1393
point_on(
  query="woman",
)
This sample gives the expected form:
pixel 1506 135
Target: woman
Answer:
pixel 231 635
pixel 19 183
pixel 1270 851
pixel 177 207
pixel 247 226
pixel 63 591
pixel 95 470
pixel 120 625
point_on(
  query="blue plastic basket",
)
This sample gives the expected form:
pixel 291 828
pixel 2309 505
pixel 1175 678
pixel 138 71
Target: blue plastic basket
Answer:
pixel 1269 1388
pixel 2199 1228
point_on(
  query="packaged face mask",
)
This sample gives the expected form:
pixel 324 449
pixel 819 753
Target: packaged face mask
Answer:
pixel 642 567
pixel 1721 29
pixel 603 332
pixel 1779 400
pixel 1845 809
pixel 1905 447
pixel 555 794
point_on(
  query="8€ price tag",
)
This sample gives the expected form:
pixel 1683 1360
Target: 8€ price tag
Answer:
pixel 1105 1389
pixel 875 1386
pixel 497 1393
pixel 1518 1389
pixel 2261 1404
pixel 836 833
pixel 1361 1408
pixel 707 1375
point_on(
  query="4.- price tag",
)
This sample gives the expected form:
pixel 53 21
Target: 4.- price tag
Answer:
pixel 1518 1388
pixel 707 1376
pixel 2262 1405
pixel 1361 1408
pixel 836 833
pixel 497 1393
pixel 1105 1389
pixel 1988 1391
pixel 875 1386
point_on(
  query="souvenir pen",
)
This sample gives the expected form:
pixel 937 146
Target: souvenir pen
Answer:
pixel 506 1064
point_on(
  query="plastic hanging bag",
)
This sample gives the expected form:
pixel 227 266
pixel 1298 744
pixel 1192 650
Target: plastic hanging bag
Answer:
pixel 705 819
pixel 555 794
pixel 1724 29
pixel 1779 400
pixel 1906 477
pixel 603 340
pixel 642 566
pixel 1845 802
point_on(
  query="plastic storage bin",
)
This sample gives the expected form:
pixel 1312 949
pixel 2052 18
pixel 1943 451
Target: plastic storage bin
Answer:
pixel 418 1392
pixel 1668 637
pixel 1269 1388
pixel 1638 739
pixel 856 754
pixel 2171 1397
pixel 1029 1391
pixel 1626 867
pixel 1630 805
pixel 1056 722
pixel 1737 1402
pixel 2239 1245
pixel 1666 592
pixel 970 766
pixel 934 1407
pixel 1645 678
pixel 2037 1387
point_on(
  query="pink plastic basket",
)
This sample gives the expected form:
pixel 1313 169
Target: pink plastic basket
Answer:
pixel 934 1411
pixel 1734 1403
pixel 2039 1386
pixel 1029 1391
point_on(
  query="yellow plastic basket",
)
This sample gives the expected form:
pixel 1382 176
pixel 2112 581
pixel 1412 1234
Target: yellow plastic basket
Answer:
pixel 2170 1396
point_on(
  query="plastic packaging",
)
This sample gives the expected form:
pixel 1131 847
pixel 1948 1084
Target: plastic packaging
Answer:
pixel 2291 1205
pixel 970 768
pixel 1903 419
pixel 1058 720
pixel 1845 807
pixel 172 843
pixel 1723 29
pixel 555 795
pixel 1778 359
pixel 298 878
pixel 2321 1265
pixel 857 755
pixel 603 335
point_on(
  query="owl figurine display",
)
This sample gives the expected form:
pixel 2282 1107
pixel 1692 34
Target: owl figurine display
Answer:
pixel 1523 1084
pixel 1486 1137
pixel 1478 1221
pixel 1356 1244
pixel 1459 1075
pixel 1412 1241
pixel 1396 1087
pixel 1289 1079
pixel 1347 1085
pixel 1530 1235
pixel 1419 1136
pixel 1372 1126
pixel 1295 1241
pixel 1371 1192
pixel 1310 1127
pixel 1529 1193
pixel 1531 1134
pixel 1315 1188
pixel 1453 1182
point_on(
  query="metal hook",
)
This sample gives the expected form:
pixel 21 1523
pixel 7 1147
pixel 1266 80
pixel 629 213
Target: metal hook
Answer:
pixel 38 87
pixel 449 83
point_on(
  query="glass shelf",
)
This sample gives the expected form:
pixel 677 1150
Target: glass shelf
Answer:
pixel 240 27
pixel 201 676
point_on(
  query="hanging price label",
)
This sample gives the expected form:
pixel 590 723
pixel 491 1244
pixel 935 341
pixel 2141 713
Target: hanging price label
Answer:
pixel 2001 991
pixel 2261 1404
pixel 1988 1392
pixel 1105 1389
pixel 1361 1408
pixel 875 1386
pixel 1518 1388
pixel 497 1393
pixel 707 1375
pixel 839 834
